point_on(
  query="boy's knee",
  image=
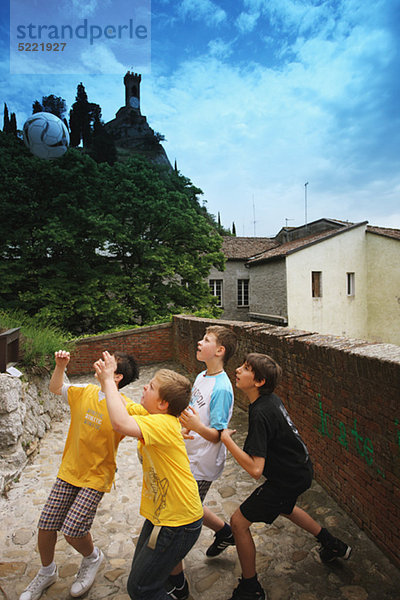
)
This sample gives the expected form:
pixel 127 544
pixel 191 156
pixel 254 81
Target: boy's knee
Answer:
pixel 238 522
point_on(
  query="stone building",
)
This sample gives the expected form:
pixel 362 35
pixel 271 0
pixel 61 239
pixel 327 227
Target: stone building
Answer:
pixel 130 129
pixel 231 286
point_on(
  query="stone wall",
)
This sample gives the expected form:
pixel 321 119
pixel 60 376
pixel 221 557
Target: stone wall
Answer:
pixel 26 411
pixel 343 395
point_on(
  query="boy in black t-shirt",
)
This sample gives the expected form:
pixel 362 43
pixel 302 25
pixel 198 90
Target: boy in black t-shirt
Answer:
pixel 273 448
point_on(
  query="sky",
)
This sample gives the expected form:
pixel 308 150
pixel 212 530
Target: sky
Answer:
pixel 256 98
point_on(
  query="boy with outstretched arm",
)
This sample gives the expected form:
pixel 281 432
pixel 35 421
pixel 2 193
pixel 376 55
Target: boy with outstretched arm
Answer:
pixel 170 500
pixel 209 413
pixel 273 448
pixel 87 471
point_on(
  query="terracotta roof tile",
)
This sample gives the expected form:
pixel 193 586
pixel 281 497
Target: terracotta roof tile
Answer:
pixel 386 231
pixel 245 247
pixel 289 247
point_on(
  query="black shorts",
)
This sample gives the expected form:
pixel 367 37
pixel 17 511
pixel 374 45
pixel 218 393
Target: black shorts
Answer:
pixel 269 501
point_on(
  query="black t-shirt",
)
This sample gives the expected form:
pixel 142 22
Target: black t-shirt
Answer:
pixel 273 436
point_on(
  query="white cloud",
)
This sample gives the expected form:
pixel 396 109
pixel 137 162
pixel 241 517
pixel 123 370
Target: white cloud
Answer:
pixel 220 49
pixel 247 21
pixel 202 10
pixel 256 131
pixel 99 58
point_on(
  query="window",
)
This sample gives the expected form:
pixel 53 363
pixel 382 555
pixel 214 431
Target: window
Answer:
pixel 350 284
pixel 216 289
pixel 316 284
pixel 243 292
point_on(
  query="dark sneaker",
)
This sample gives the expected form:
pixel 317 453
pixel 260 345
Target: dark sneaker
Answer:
pixel 239 593
pixel 337 549
pixel 177 593
pixel 219 544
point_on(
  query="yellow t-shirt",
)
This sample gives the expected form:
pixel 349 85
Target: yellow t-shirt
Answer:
pixel 170 495
pixel 89 458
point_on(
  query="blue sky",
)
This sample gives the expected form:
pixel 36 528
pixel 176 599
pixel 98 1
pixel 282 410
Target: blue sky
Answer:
pixel 256 98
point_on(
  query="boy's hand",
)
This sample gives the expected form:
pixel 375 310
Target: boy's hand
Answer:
pixel 105 367
pixel 62 358
pixel 227 434
pixel 190 420
pixel 186 434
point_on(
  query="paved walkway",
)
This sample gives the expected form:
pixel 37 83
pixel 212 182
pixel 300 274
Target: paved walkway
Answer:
pixel 288 564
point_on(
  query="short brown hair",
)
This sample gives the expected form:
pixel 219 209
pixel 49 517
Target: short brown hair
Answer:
pixel 174 389
pixel 264 367
pixel 127 367
pixel 225 337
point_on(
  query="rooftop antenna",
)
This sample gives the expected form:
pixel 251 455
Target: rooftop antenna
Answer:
pixel 254 218
pixel 286 221
pixel 305 202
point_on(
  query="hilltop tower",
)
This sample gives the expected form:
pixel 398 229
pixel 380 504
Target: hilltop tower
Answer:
pixel 132 90
pixel 130 130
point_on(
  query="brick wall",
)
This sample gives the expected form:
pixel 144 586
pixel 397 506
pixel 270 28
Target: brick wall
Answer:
pixel 148 344
pixel 343 395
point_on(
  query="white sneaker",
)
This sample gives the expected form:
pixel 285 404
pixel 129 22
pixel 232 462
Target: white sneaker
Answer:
pixel 37 586
pixel 85 576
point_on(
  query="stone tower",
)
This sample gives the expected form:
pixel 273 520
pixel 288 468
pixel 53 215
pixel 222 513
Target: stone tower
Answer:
pixel 130 130
pixel 132 90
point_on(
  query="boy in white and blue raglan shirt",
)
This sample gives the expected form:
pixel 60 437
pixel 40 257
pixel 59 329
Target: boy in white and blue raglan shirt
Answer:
pixel 209 412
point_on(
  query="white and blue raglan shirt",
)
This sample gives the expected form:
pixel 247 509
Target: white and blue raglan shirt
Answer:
pixel 212 398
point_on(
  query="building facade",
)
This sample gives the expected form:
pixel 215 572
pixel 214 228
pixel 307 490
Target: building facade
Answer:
pixel 342 280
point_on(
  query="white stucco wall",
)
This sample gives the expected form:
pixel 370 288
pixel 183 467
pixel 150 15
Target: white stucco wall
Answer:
pixel 335 312
pixel 383 289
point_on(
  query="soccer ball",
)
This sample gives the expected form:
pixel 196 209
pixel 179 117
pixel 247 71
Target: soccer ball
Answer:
pixel 46 135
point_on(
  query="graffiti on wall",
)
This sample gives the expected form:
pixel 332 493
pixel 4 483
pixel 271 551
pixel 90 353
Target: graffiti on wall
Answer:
pixel 350 437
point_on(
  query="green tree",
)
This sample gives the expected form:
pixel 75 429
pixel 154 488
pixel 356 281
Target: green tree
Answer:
pixel 52 104
pixel 161 239
pixel 84 117
pixel 55 105
pixel 90 246
pixel 13 124
pixel 36 107
pixel 102 148
pixel 6 120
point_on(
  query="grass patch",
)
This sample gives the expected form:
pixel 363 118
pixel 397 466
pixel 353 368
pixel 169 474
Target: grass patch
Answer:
pixel 38 341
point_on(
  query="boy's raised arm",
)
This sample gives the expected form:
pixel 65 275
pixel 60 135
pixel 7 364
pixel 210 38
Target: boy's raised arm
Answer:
pixel 190 420
pixel 254 465
pixel 120 420
pixel 57 379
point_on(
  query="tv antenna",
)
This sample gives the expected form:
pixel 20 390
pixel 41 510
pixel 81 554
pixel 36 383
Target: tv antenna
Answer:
pixel 305 202
pixel 254 218
pixel 286 221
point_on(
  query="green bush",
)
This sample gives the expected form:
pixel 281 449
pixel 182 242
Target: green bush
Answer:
pixel 38 341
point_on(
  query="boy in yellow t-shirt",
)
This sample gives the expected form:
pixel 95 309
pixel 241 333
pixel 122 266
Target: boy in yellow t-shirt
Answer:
pixel 170 500
pixel 87 471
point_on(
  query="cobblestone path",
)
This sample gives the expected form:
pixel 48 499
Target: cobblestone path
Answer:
pixel 287 561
